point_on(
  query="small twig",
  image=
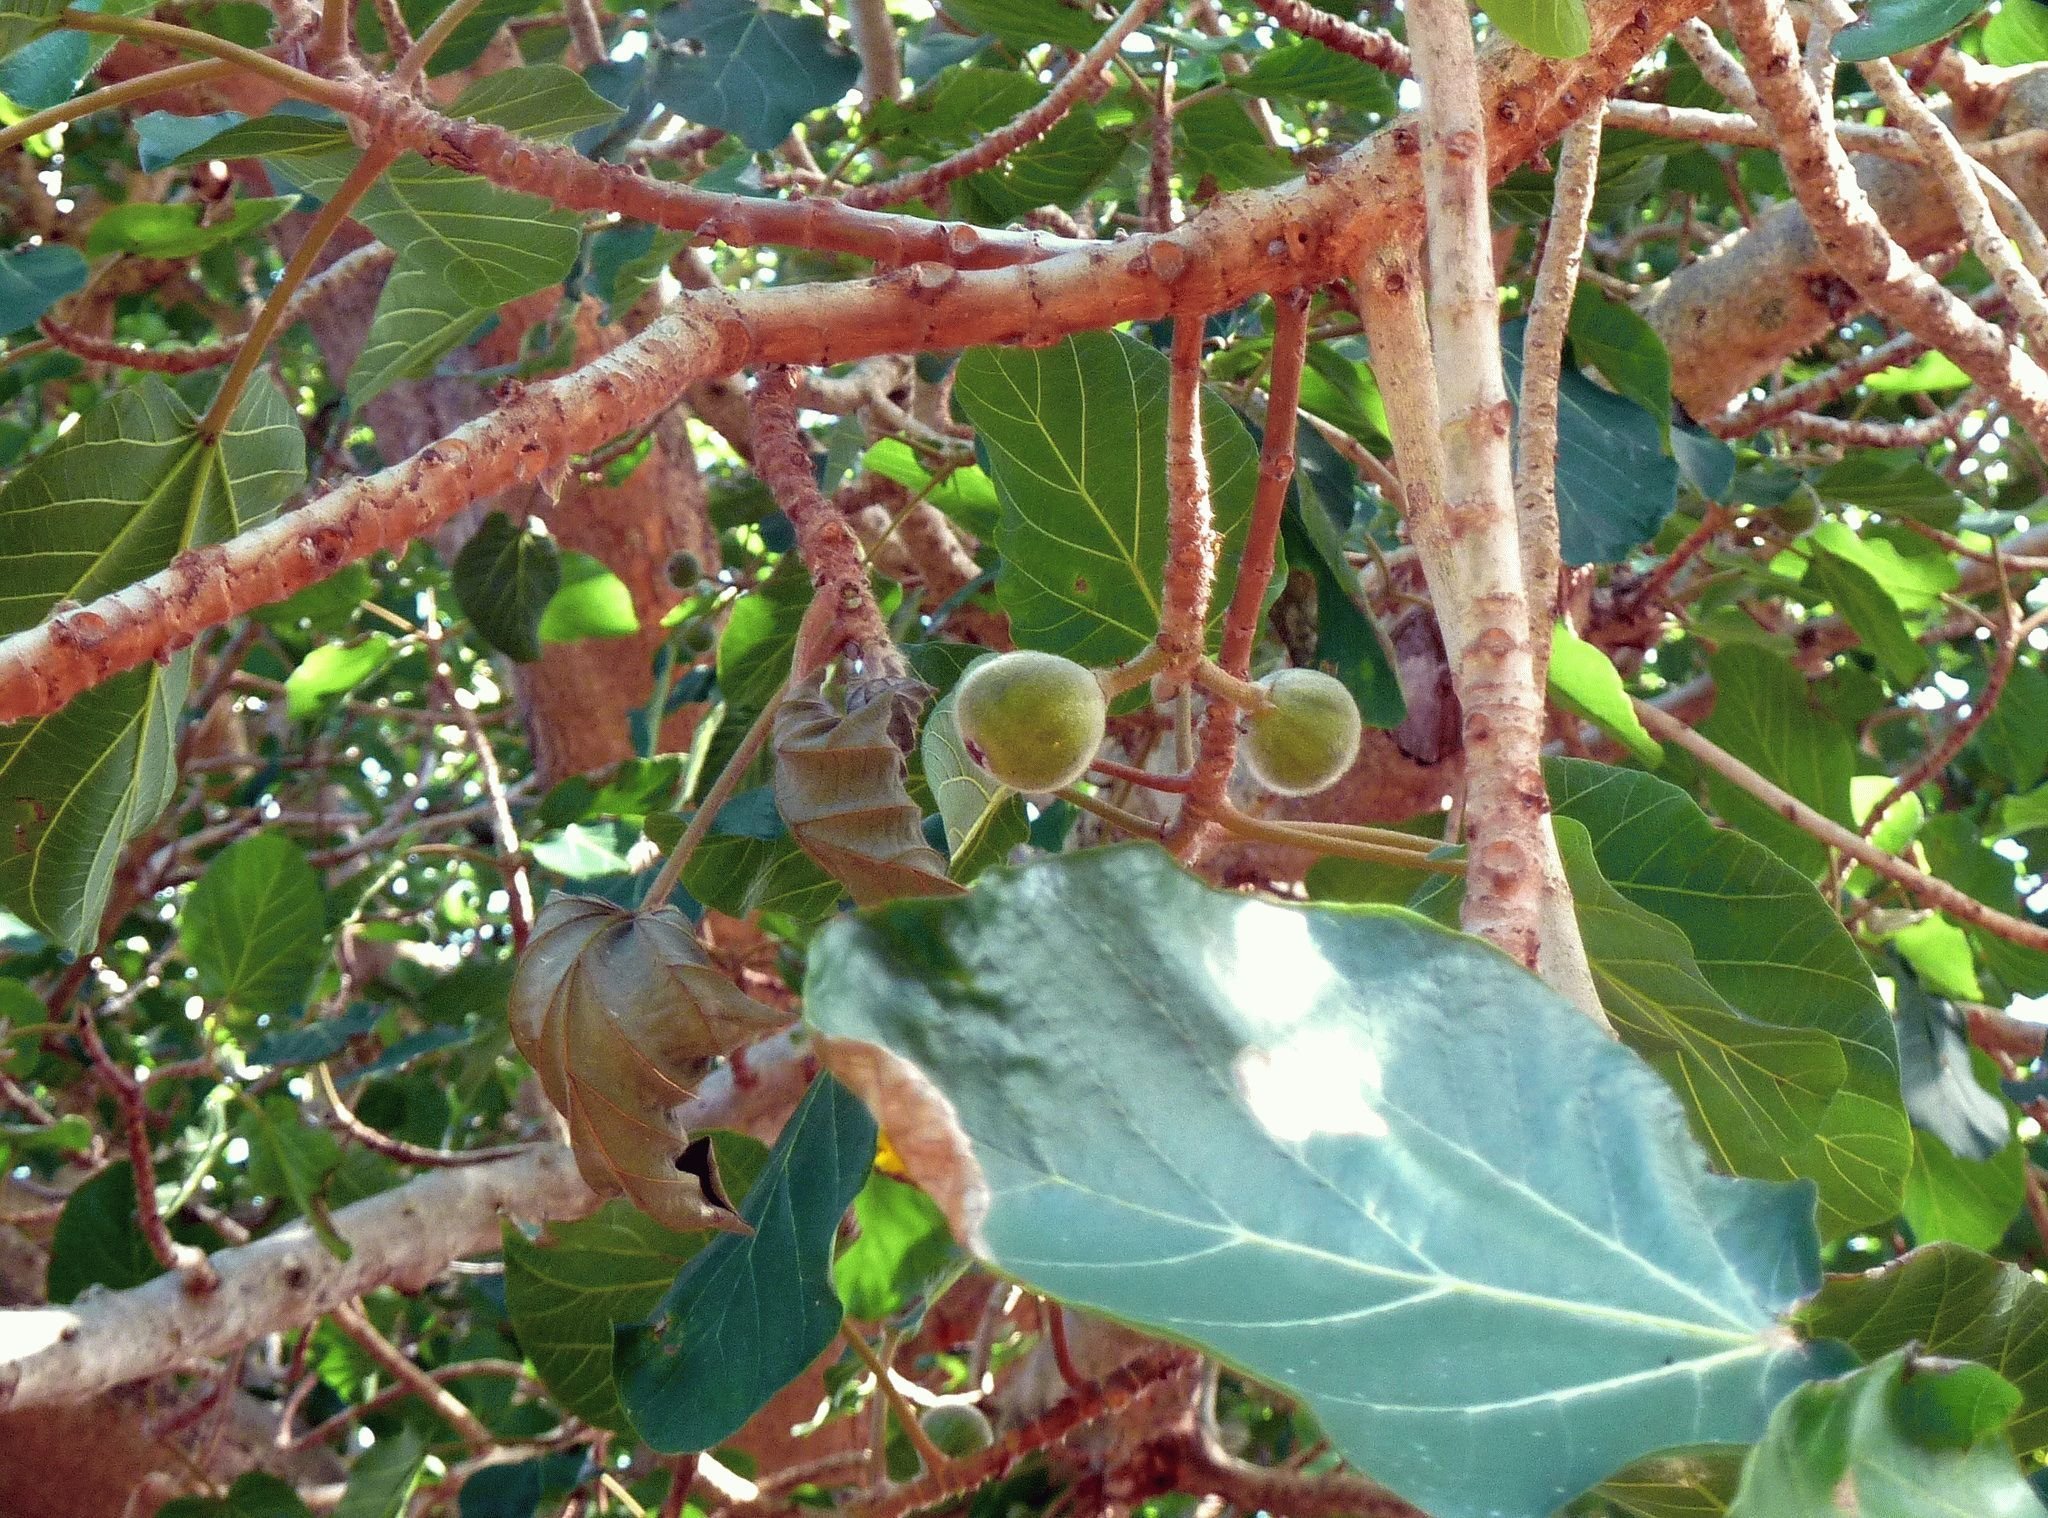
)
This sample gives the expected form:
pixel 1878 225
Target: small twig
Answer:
pixel 1026 128
pixel 1316 841
pixel 1550 311
pixel 1378 48
pixel 586 31
pixel 1062 1352
pixel 352 189
pixel 197 1270
pixel 177 77
pixel 885 1389
pixel 396 1148
pixel 1923 887
pixel 414 63
pixel 364 1335
pixel 1130 822
pixel 722 789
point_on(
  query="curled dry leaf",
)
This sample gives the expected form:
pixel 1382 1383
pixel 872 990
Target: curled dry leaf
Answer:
pixel 621 1015
pixel 919 1127
pixel 839 786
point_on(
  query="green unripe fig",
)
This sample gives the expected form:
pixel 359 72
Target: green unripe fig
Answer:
pixel 1032 720
pixel 685 569
pixel 1797 513
pixel 957 1429
pixel 698 637
pixel 1307 738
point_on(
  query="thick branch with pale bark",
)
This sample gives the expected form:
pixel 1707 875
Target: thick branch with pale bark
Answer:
pixel 402 1238
pixel 1302 233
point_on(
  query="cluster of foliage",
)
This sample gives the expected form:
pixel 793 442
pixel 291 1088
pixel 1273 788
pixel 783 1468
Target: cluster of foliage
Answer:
pixel 1145 1137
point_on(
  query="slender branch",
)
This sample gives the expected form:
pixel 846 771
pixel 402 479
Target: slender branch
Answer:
pixel 399 1149
pixel 1026 128
pixel 1278 239
pixel 1832 384
pixel 1317 841
pixel 397 34
pixel 1218 750
pixel 334 27
pixel 421 53
pixel 1961 180
pixel 1191 543
pixel 1378 48
pixel 404 1238
pixel 368 170
pixel 177 77
pixel 586 30
pixel 1550 312
pixel 296 81
pixel 886 1392
pixel 1923 887
pixel 881 55
pixel 190 1263
pixel 364 260
pixel 1854 239
pixel 1846 432
pixel 359 1331
pixel 664 884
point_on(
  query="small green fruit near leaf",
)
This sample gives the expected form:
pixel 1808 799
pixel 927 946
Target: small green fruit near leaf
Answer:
pixel 1798 513
pixel 957 1429
pixel 1033 720
pixel 685 569
pixel 1307 738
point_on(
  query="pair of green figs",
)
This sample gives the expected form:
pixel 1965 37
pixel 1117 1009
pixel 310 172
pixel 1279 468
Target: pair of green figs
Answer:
pixel 1035 720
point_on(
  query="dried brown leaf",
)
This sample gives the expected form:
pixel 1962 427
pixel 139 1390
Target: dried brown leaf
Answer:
pixel 621 1014
pixel 839 786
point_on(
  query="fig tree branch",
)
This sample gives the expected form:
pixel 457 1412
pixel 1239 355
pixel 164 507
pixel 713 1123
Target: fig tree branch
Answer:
pixel 1307 231
pixel 1922 887
pixel 403 1238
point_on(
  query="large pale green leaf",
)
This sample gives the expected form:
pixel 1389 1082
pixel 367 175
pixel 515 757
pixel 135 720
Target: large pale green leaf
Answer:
pixel 1688 1483
pixel 755 72
pixel 1903 1438
pixel 1765 716
pixel 542 100
pixel 1954 1302
pixel 1970 1202
pixel 109 503
pixel 1771 948
pixel 749 1313
pixel 568 1290
pixel 1058 170
pixel 176 230
pixel 1303 70
pixel 900 1246
pixel 1076 440
pixel 255 925
pixel 2017 34
pixel 1346 1151
pixel 1027 23
pixel 1873 614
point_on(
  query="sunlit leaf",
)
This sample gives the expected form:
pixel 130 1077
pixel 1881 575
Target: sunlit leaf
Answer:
pixel 1074 433
pixel 1298 1102
pixel 254 926
pixel 506 577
